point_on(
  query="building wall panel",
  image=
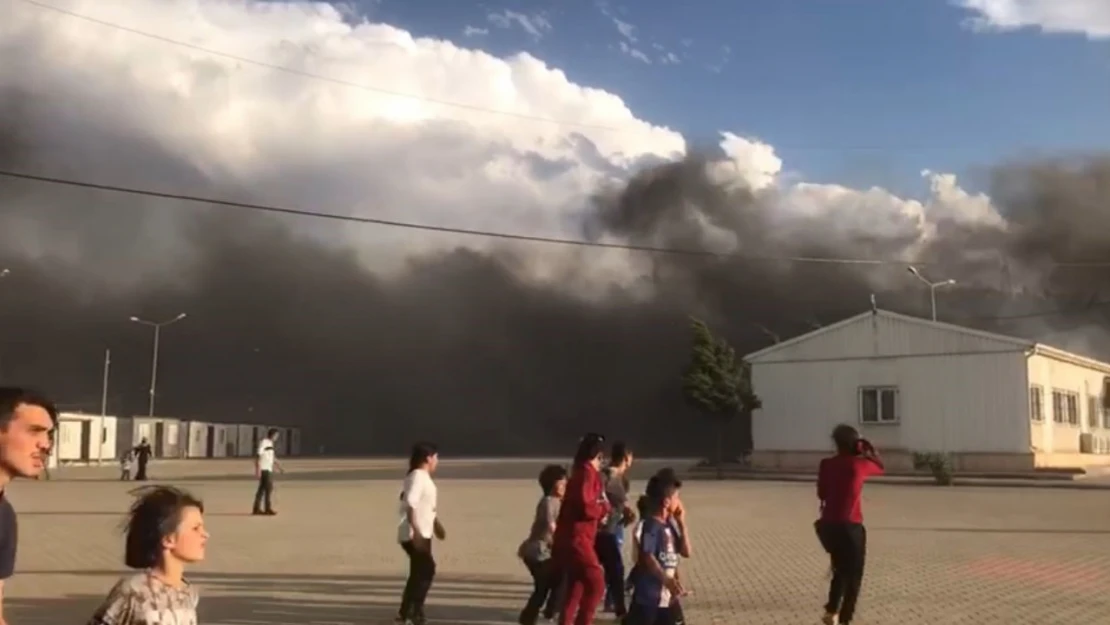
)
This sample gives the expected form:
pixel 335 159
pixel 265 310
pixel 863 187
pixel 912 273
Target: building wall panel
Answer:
pixel 1054 434
pixel 955 403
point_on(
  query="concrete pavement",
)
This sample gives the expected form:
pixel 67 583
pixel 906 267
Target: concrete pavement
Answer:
pixel 937 556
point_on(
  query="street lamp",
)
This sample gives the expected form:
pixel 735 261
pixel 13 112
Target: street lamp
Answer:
pixel 933 286
pixel 157 325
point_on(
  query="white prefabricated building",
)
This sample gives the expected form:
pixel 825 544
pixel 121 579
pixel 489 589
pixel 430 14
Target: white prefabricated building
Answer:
pixel 163 433
pixel 84 439
pixel 991 402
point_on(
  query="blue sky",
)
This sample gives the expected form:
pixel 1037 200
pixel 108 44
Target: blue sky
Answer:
pixel 859 92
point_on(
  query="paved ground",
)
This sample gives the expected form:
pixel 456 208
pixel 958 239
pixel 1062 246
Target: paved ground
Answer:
pixel 937 556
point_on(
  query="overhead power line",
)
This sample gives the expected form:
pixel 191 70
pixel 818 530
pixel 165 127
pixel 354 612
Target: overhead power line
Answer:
pixel 445 229
pixel 489 234
pixel 310 75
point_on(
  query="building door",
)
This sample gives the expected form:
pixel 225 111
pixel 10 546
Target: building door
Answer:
pixel 86 440
pixel 210 444
pixel 159 439
pixel 289 442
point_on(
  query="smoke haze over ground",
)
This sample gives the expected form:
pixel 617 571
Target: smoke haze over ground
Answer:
pixel 373 336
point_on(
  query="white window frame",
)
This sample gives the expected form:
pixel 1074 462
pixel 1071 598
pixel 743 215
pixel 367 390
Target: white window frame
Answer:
pixel 881 419
pixel 1036 403
pixel 1094 418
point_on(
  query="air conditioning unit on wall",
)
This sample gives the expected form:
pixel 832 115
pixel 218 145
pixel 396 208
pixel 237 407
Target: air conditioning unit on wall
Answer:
pixel 1086 443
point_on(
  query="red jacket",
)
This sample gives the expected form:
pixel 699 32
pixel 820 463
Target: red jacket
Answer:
pixel 583 508
pixel 840 486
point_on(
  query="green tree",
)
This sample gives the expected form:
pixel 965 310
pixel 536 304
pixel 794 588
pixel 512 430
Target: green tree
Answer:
pixel 717 383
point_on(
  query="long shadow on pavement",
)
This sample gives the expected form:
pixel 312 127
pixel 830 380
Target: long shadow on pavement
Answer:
pixel 270 599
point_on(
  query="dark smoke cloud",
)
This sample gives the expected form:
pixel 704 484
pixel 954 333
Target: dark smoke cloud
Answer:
pixel 460 348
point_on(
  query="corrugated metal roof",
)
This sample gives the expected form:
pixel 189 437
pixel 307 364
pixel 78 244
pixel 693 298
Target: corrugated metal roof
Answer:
pixel 1039 348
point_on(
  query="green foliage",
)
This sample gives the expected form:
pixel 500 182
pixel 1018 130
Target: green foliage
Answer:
pixel 716 382
pixel 936 463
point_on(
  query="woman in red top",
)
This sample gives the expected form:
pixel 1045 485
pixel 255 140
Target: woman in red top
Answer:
pixel 584 505
pixel 840 528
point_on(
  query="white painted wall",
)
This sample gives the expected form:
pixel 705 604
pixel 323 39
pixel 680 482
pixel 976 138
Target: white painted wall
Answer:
pixel 67 440
pixel 198 439
pixel 245 445
pixel 1054 434
pixel 101 441
pixel 224 434
pixel 955 403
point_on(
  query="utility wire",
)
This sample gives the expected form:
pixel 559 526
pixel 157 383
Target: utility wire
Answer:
pixel 490 234
pixel 446 229
pixel 305 74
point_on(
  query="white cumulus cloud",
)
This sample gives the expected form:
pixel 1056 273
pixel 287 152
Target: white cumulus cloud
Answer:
pixel 1089 17
pixel 380 136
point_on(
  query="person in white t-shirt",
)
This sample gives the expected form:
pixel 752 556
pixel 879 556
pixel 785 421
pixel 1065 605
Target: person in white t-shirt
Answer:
pixel 418 526
pixel 265 461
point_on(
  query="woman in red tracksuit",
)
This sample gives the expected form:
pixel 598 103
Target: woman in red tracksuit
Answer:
pixel 584 505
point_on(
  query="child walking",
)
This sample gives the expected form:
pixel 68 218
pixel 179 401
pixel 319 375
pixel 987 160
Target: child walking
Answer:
pixel 656 584
pixel 165 534
pixel 840 527
pixel 535 551
pixel 126 461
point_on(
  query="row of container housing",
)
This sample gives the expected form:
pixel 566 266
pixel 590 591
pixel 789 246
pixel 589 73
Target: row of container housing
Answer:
pixel 82 438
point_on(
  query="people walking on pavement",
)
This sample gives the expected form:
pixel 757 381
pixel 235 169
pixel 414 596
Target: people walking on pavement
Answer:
pixel 143 452
pixel 535 551
pixel 265 463
pixel 840 527
pixel 610 537
pixel 419 524
pixel 584 506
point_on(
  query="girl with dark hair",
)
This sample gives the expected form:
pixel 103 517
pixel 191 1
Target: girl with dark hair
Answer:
pixel 583 509
pixel 418 525
pixel 840 528
pixel 535 551
pixel 165 533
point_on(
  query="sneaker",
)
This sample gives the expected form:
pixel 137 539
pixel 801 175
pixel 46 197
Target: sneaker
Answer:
pixel 829 618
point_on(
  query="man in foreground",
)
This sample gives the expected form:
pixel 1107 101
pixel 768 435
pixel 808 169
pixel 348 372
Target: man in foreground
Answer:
pixel 27 421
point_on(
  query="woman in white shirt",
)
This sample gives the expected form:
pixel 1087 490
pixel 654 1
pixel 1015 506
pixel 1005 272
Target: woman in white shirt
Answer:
pixel 417 527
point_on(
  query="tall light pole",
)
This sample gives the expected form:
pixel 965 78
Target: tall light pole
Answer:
pixel 157 325
pixel 933 286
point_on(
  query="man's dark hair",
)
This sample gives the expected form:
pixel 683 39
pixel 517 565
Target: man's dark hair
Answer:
pixel 591 446
pixel 11 397
pixel 154 515
pixel 658 491
pixel 421 453
pixel 619 453
pixel 643 505
pixel 272 432
pixel 550 476
pixel 846 438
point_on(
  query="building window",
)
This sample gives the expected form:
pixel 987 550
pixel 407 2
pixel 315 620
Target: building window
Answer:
pixel 1065 407
pixel 1093 417
pixel 1036 403
pixel 1104 412
pixel 878 404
